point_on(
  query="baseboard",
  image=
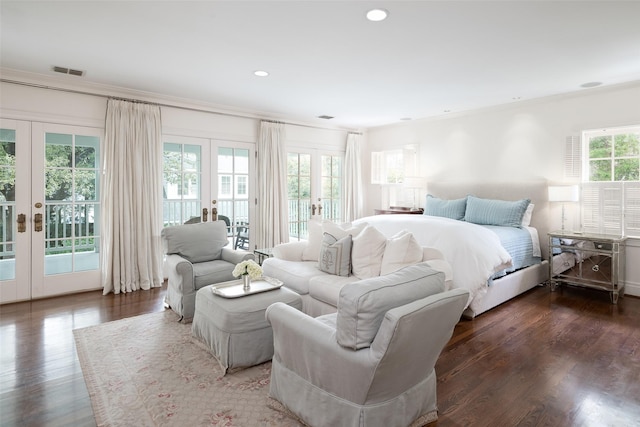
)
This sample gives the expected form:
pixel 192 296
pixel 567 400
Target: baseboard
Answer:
pixel 632 289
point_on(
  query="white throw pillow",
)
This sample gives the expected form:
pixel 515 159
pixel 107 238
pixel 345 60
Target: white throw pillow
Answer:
pixel 318 228
pixel 366 253
pixel 314 242
pixel 400 251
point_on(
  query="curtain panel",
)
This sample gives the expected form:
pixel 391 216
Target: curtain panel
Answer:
pixel 353 203
pixel 272 214
pixel 131 190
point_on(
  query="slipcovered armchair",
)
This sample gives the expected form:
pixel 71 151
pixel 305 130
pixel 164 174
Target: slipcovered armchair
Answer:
pixel 371 363
pixel 196 256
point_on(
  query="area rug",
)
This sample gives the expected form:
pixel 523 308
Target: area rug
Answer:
pixel 149 371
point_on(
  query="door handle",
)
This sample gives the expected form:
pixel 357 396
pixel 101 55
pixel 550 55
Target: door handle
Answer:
pixel 214 211
pixel 22 223
pixel 313 209
pixel 37 221
pixel 205 214
pixel 319 207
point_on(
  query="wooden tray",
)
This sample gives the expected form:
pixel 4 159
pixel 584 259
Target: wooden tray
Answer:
pixel 234 289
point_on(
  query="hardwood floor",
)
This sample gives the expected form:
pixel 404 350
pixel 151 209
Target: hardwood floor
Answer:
pixel 568 358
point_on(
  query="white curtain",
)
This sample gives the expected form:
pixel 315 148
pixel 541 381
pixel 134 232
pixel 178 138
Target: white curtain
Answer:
pixel 272 214
pixel 353 205
pixel 131 198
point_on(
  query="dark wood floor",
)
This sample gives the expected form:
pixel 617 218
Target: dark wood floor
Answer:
pixel 567 358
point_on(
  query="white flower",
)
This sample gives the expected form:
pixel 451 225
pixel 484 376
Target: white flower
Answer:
pixel 249 267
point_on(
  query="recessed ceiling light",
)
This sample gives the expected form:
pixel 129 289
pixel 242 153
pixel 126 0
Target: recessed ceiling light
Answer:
pixel 516 98
pixel 377 15
pixel 261 73
pixel 590 84
pixel 446 111
pixel 405 118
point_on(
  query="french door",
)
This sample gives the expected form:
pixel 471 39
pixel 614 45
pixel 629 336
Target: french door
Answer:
pixel 50 209
pixel 203 177
pixel 314 186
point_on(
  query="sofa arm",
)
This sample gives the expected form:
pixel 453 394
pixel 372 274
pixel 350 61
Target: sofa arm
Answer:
pixel 235 256
pixel 309 348
pixel 291 251
pixel 180 273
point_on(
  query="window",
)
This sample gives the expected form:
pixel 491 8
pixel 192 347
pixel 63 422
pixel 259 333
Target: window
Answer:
pixel 225 186
pixel 393 170
pixel 242 186
pixel 613 155
pixel 610 199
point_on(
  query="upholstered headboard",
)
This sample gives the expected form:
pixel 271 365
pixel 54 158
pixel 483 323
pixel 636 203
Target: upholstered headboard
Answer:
pixel 536 191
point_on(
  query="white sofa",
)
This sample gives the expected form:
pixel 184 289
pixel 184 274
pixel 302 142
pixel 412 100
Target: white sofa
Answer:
pixel 319 291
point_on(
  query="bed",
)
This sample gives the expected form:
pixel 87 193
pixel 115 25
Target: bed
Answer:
pixel 494 262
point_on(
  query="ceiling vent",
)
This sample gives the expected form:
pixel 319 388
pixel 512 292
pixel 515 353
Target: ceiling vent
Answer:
pixel 69 71
pixel 325 117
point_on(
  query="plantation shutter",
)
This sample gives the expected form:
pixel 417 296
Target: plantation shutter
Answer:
pixel 611 208
pixel 573 159
pixel 632 209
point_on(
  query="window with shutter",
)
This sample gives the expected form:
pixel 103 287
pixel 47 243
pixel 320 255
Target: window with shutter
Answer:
pixel 610 200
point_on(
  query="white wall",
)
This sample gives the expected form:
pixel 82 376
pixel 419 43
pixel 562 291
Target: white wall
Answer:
pixel 516 142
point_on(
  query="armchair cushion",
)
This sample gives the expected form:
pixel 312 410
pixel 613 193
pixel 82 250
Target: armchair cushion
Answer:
pixel 196 242
pixel 362 305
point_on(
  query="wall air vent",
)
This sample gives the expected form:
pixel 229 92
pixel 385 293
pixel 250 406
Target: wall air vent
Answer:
pixel 325 117
pixel 69 71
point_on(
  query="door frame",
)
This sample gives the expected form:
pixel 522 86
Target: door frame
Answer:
pixel 19 288
pixel 56 284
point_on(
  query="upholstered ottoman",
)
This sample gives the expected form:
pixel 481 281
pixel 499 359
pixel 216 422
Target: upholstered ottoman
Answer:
pixel 235 329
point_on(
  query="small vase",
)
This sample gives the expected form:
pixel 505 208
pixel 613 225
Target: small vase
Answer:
pixel 246 282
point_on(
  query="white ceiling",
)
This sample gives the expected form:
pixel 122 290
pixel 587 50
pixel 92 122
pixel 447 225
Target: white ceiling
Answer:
pixel 324 57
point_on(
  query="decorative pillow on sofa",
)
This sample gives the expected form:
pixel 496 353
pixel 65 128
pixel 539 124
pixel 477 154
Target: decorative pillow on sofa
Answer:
pixel 495 212
pixel 318 228
pixel 400 251
pixel 367 252
pixel 362 305
pixel 335 255
pixel 196 242
pixel 453 209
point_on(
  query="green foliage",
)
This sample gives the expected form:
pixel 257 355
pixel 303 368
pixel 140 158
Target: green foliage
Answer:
pixel 7 171
pixel 614 157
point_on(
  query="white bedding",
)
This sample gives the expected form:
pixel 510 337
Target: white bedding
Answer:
pixel 474 252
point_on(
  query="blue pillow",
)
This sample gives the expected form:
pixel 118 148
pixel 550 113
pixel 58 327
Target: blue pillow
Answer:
pixel 453 209
pixel 495 212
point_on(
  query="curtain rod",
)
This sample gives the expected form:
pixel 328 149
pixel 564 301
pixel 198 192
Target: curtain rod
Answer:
pixel 200 110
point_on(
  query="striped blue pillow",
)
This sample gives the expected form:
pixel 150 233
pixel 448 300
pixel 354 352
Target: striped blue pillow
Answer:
pixel 453 209
pixel 495 212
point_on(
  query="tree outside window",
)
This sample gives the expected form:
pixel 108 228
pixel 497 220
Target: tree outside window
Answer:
pixel 614 155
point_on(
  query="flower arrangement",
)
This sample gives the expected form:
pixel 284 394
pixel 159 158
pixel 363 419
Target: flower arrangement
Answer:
pixel 249 267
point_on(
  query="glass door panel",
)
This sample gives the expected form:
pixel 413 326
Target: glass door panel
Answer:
pixel 15 221
pixel 185 178
pixel 331 188
pixel 72 240
pixel 233 188
pixel 63 209
pixel 299 194
pixel 8 215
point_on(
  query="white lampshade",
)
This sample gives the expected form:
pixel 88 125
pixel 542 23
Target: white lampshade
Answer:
pixel 564 193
